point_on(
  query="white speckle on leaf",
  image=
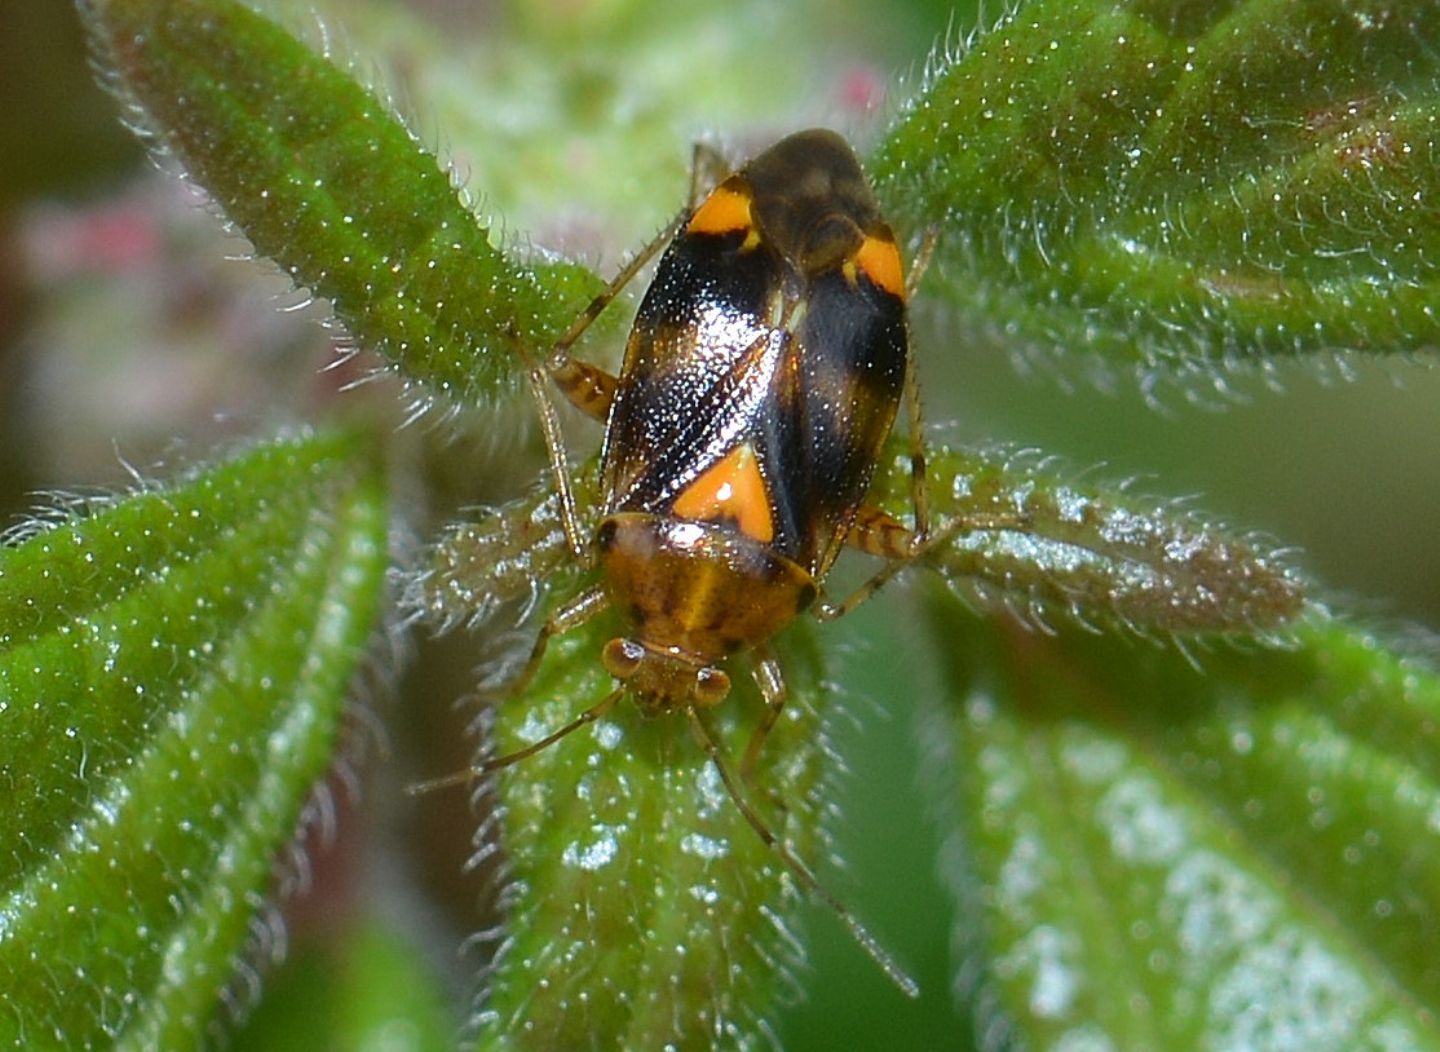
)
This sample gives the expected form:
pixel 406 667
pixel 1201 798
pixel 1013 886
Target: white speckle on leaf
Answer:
pixel 1219 907
pixel 1070 505
pixel 712 790
pixel 608 734
pixel 1021 877
pixel 1289 991
pixel 532 728
pixel 1046 955
pixel 1004 781
pixel 1140 826
pixel 704 846
pixel 1093 759
pixel 600 852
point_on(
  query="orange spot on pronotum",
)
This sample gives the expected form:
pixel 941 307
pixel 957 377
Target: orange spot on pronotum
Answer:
pixel 879 260
pixel 723 212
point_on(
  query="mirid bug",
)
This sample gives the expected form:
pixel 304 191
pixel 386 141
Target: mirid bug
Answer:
pixel 762 376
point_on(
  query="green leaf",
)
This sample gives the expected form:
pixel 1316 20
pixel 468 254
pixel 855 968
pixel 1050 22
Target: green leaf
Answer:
pixel 643 912
pixel 323 179
pixel 1093 555
pixel 1243 855
pixel 1186 183
pixel 173 672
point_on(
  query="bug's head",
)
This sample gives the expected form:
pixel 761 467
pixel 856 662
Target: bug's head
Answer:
pixel 663 680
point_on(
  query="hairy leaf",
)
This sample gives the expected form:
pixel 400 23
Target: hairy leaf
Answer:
pixel 1027 540
pixel 642 910
pixel 1243 855
pixel 1187 183
pixel 173 671
pixel 323 179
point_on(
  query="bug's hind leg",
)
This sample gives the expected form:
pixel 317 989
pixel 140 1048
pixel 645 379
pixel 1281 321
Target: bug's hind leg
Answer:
pixel 587 387
pixel 915 417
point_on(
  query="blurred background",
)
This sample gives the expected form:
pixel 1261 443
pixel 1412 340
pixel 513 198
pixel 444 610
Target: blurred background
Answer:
pixel 131 338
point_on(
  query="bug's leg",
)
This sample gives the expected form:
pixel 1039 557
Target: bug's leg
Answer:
pixel 771 682
pixel 587 387
pixel 922 261
pixel 559 464
pixel 877 533
pixel 919 487
pixel 798 869
pixel 590 715
pixel 559 357
pixel 571 614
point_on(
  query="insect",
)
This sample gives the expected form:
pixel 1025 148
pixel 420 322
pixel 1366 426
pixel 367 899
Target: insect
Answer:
pixel 764 372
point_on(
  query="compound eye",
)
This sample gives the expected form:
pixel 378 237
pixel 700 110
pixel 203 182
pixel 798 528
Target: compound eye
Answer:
pixel 621 657
pixel 711 686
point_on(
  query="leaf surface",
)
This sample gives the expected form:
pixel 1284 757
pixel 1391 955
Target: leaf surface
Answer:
pixel 173 674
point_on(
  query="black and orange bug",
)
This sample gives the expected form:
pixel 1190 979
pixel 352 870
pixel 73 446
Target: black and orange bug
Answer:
pixel 762 376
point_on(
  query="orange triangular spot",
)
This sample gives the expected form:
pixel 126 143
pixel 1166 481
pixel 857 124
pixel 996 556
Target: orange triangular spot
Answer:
pixel 879 260
pixel 731 490
pixel 726 210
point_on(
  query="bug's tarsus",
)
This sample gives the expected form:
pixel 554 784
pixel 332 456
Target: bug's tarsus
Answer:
pixel 801 872
pixel 469 774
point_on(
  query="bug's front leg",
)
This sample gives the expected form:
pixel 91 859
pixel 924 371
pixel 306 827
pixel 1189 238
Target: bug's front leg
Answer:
pixel 571 614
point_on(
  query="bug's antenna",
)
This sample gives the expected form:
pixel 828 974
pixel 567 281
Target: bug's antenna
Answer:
pixel 811 883
pixel 479 770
